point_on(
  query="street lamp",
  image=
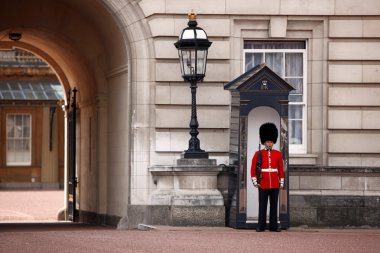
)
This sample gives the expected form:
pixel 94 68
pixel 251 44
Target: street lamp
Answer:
pixel 192 48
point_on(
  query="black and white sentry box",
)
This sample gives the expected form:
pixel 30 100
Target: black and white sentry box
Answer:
pixel 257 96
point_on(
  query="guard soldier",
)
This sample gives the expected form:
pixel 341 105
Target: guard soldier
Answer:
pixel 270 178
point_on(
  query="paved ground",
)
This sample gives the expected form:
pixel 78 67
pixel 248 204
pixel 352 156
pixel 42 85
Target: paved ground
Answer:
pixel 32 236
pixel 21 205
pixel 80 238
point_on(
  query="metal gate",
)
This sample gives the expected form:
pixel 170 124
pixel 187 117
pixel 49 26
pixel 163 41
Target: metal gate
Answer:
pixel 71 154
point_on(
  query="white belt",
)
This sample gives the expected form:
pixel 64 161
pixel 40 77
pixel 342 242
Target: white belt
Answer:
pixel 269 170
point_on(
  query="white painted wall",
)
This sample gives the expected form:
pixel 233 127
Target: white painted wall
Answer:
pixel 256 118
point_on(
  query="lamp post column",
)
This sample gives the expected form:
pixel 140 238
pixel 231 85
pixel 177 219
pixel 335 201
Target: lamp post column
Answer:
pixel 194 150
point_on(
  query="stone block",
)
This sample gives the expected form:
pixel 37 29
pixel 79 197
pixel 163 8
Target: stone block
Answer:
pixel 339 216
pixel 162 26
pixel 169 71
pixel 353 7
pixel 345 73
pixel 346 28
pixel 136 215
pixel 162 140
pixel 195 182
pixel 165 182
pixel 344 119
pixel 371 216
pixel 310 182
pixel 165 49
pixel 198 216
pixel 253 7
pixel 369 161
pixel 303 159
pixel 354 50
pixel 353 183
pixel 211 141
pixel 302 216
pixel 342 201
pixel 277 27
pixel 317 143
pixel 316 78
pixel 199 6
pixel 160 215
pixel 354 96
pixel 317 49
pixel 161 197
pixel 150 7
pixel 210 95
pixel 371 73
pixel 219 50
pixel 353 143
pixel 194 198
pixel 118 4
pixel 136 31
pixel 331 182
pixel 195 162
pixel 294 182
pixel 307 7
pixel 334 210
pixel 180 94
pixel 217 72
pixel 216 27
pixel 373 183
pixel 316 117
pixel 371 119
pixel 371 28
pixel 372 202
pixel 180 117
pixel 162 94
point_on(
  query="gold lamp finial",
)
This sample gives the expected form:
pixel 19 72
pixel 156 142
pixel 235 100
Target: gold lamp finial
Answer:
pixel 192 16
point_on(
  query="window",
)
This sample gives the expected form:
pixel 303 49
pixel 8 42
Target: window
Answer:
pixel 288 60
pixel 19 150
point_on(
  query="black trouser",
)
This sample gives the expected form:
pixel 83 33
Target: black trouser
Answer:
pixel 263 203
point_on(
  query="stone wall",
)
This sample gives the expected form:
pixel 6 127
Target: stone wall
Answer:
pixel 334 196
pixel 341 94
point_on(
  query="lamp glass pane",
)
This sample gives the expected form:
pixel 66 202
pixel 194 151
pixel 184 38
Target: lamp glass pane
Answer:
pixel 201 34
pixel 187 61
pixel 187 34
pixel 201 62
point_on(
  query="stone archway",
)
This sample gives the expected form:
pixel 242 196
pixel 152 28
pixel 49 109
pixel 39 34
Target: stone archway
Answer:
pixel 86 43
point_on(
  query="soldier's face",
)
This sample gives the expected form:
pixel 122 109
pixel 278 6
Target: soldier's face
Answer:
pixel 268 144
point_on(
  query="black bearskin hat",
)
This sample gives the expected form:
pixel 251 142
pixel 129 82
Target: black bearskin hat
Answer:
pixel 268 132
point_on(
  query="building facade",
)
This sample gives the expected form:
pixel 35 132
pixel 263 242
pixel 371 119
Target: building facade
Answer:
pixel 135 107
pixel 32 123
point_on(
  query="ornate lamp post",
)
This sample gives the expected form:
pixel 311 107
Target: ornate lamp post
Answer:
pixel 192 48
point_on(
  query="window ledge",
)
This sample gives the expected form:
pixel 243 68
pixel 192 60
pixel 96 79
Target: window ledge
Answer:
pixel 303 159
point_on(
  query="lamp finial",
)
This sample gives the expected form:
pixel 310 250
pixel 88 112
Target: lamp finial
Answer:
pixel 192 16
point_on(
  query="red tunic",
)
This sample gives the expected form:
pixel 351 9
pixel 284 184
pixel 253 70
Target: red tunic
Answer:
pixel 272 170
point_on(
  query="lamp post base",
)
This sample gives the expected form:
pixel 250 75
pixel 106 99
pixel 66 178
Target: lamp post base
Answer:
pixel 195 154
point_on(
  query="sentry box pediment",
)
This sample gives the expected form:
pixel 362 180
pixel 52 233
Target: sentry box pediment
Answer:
pixel 259 86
